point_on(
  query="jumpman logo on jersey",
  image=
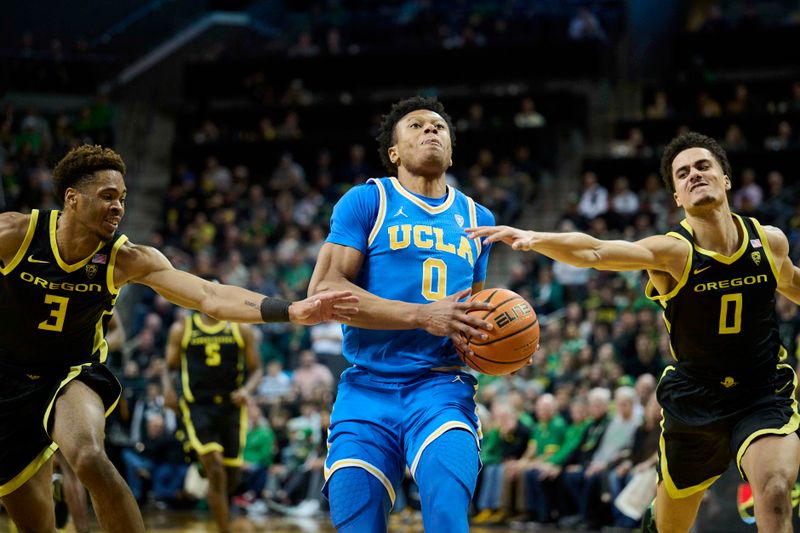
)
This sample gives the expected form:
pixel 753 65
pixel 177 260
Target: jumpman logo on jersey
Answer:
pixel 457 378
pixel 400 212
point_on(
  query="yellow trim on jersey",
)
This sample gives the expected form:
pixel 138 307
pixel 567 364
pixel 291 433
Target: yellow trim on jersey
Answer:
pixel 208 329
pixel 381 212
pixel 358 463
pixel 669 330
pixel 54 247
pixel 650 290
pixel 237 334
pixel 112 263
pixel 197 446
pixel 790 427
pixel 673 491
pixel 100 342
pixel 451 196
pixel 29 471
pixel 74 371
pixel 435 435
pixel 187 334
pixel 767 249
pixel 239 459
pixel 724 259
pixel 473 222
pixel 26 242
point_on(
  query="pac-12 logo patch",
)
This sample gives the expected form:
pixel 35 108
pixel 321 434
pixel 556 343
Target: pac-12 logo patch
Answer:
pixel 91 270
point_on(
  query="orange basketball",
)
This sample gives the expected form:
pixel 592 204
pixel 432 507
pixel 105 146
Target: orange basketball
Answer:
pixel 512 340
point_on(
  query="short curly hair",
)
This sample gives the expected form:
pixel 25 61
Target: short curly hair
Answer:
pixel 80 164
pixel 400 109
pixel 684 142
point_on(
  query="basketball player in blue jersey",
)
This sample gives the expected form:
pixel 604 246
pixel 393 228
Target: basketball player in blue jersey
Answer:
pixel 60 274
pixel 729 396
pixel 399 244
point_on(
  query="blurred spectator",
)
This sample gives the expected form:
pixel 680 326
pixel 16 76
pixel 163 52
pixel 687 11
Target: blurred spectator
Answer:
pixel 616 440
pixel 707 106
pixel 326 342
pixel 594 197
pixel 311 377
pixel 749 192
pixel 290 127
pixel 474 119
pixel 734 139
pixel 158 458
pixel 659 108
pixel 258 456
pixel 776 209
pixel 276 385
pixel 528 116
pixel 740 103
pixel 634 145
pixel 585 26
pixel 783 138
pixel 624 204
pixel 642 455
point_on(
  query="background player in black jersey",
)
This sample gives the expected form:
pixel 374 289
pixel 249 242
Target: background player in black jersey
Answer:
pixel 212 356
pixel 728 395
pixel 60 274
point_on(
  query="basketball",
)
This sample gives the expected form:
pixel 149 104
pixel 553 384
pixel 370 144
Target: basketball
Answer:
pixel 513 339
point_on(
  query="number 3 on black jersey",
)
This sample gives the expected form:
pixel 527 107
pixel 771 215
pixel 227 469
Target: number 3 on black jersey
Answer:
pixel 57 313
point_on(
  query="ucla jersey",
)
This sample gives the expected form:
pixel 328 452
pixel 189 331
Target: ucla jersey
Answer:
pixel 212 360
pixel 56 314
pixel 721 314
pixel 415 250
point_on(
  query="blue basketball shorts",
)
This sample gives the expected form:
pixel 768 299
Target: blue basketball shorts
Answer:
pixel 384 426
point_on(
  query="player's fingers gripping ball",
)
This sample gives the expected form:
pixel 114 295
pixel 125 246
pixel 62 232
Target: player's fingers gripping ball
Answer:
pixel 513 339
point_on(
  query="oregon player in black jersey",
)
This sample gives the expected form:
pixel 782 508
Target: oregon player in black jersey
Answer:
pixel 212 358
pixel 728 396
pixel 60 274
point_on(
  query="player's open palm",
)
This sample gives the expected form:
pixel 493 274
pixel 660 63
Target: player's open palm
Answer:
pixel 518 239
pixel 339 306
pixel 450 317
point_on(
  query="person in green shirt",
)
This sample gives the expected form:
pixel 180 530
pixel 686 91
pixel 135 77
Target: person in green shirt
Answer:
pixel 546 438
pixel 504 442
pixel 258 456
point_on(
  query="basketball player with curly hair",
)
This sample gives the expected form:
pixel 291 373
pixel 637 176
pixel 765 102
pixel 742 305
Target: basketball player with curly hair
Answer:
pixel 729 395
pixel 60 275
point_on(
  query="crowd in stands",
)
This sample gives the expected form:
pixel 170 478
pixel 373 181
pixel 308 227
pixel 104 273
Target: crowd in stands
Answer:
pixel 31 143
pixel 564 435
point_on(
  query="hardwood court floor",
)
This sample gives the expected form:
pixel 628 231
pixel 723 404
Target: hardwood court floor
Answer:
pixel 199 522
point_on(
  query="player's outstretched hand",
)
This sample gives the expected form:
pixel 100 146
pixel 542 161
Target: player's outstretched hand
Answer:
pixel 518 239
pixel 449 317
pixel 339 306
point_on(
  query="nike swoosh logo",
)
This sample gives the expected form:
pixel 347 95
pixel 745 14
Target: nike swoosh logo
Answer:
pixel 32 260
pixel 783 388
pixel 698 270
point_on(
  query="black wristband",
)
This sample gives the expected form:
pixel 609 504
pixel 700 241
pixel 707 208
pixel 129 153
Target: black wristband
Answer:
pixel 275 310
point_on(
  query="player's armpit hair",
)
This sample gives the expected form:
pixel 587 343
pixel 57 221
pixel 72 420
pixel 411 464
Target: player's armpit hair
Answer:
pixel 274 310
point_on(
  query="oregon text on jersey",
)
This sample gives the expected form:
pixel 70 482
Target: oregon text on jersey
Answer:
pixel 64 286
pixel 728 283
